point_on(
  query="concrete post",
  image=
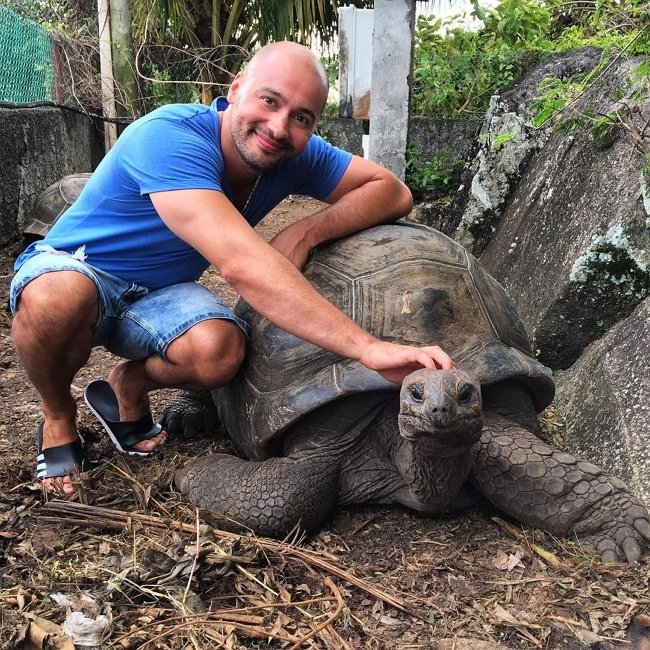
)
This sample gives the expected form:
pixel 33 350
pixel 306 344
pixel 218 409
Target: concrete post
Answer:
pixel 392 60
pixel 355 61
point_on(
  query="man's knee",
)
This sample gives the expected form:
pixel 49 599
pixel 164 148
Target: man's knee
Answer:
pixel 214 349
pixel 63 297
pixel 230 354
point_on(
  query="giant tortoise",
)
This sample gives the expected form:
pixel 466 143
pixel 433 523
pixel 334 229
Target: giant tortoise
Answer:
pixel 316 430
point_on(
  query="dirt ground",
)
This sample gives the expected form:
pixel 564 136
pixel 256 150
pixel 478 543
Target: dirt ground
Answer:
pixel 373 578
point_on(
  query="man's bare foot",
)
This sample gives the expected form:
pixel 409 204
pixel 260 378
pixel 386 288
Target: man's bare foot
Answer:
pixel 133 405
pixel 59 449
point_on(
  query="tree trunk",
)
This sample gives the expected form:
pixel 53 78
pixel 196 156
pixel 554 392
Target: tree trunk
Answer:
pixel 123 59
pixel 106 72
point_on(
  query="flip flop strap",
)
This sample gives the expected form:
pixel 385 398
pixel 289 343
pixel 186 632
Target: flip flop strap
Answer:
pixel 62 460
pixel 131 433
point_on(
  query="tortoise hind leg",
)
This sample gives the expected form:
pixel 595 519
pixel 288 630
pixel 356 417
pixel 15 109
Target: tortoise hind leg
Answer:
pixel 549 489
pixel 270 497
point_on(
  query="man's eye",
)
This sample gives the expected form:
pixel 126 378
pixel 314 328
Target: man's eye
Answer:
pixel 267 100
pixel 303 121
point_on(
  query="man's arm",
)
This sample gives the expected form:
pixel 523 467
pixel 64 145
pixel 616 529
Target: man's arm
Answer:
pixel 366 195
pixel 208 222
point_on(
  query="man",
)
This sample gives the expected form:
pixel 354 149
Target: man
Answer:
pixel 182 189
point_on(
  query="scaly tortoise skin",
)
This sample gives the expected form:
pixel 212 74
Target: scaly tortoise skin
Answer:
pixel 319 431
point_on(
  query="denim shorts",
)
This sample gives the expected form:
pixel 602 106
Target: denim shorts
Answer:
pixel 134 321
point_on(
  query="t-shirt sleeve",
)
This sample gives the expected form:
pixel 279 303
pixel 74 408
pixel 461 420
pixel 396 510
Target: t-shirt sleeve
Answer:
pixel 162 155
pixel 320 167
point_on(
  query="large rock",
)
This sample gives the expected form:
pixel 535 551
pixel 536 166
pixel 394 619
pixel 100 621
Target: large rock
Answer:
pixel 506 149
pixel 572 245
pixel 506 143
pixel 563 222
pixel 604 400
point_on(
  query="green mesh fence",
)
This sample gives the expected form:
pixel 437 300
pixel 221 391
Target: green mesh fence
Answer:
pixel 26 61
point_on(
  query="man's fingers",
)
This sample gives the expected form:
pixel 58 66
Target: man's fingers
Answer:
pixel 441 359
pixel 395 362
pixel 426 360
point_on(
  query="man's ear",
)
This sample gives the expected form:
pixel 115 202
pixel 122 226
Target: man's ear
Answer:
pixel 234 88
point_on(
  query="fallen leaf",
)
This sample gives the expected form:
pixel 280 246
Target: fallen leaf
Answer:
pixel 42 633
pixel 507 562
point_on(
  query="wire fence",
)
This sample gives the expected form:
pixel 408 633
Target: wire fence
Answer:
pixel 37 66
pixel 27 61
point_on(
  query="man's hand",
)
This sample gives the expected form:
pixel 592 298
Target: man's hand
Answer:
pixel 293 245
pixel 394 362
pixel 367 195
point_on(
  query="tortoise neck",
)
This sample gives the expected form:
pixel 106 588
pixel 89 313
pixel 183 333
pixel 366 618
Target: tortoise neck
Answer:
pixel 430 477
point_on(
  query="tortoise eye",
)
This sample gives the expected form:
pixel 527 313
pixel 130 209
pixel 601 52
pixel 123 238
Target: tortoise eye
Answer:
pixel 465 393
pixel 417 394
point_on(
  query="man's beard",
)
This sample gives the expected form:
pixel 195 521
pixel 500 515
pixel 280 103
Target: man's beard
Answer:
pixel 244 142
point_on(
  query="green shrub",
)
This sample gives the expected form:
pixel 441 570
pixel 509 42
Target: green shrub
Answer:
pixel 431 178
pixel 456 69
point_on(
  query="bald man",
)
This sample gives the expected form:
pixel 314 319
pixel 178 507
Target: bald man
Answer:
pixel 181 190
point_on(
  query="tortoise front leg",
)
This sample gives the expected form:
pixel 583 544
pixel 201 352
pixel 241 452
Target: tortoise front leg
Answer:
pixel 191 414
pixel 270 497
pixel 549 489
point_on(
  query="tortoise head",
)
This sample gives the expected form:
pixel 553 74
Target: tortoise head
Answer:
pixel 440 410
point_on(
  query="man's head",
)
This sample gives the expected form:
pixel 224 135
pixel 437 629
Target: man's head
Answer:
pixel 276 102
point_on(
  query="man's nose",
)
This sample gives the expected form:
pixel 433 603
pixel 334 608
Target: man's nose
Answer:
pixel 279 125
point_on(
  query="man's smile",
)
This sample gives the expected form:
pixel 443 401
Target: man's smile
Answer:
pixel 269 144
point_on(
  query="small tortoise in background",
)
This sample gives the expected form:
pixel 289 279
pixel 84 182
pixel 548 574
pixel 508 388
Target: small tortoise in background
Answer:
pixel 51 203
pixel 319 431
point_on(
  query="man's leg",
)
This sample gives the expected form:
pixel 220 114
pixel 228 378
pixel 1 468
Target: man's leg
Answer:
pixel 52 331
pixel 183 337
pixel 204 357
pixel 56 306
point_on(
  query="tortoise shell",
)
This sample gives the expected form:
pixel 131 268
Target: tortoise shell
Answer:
pixel 403 282
pixel 53 201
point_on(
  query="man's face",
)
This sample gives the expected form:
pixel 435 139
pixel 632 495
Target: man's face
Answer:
pixel 274 112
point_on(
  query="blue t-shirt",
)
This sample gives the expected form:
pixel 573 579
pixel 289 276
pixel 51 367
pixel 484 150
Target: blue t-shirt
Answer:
pixel 174 147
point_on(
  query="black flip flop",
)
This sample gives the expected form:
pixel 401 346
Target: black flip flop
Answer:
pixel 102 402
pixel 63 460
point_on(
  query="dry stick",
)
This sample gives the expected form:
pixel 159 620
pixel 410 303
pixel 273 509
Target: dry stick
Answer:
pixel 333 639
pixel 105 517
pixel 83 522
pixel 330 620
pixel 252 630
pixel 228 616
pixel 517 533
pixel 194 561
pixel 310 558
pixel 98 516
